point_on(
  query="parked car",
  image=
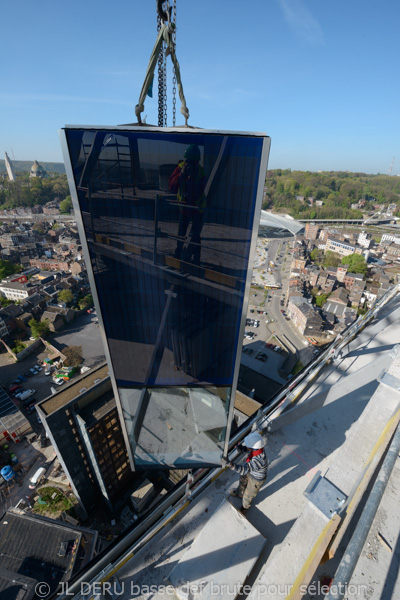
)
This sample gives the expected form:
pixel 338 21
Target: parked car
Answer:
pixel 28 374
pixel 262 356
pixel 27 394
pixel 14 388
pixel 21 378
pixel 36 478
pixel 249 335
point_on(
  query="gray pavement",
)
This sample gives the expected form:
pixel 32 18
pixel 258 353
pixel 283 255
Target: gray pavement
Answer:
pixel 83 331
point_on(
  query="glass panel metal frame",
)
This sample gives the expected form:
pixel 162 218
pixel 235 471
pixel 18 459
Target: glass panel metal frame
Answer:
pixel 158 387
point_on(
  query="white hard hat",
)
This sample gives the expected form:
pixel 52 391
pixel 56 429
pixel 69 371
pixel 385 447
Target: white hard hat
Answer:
pixel 254 441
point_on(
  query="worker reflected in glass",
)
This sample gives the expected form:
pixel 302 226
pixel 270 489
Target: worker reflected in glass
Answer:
pixel 188 183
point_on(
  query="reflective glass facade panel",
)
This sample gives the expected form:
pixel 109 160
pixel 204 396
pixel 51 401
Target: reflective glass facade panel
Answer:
pixel 168 219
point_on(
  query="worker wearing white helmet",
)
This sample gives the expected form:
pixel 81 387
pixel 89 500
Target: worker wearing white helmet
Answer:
pixel 253 473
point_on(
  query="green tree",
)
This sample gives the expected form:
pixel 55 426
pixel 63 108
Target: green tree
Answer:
pixel 86 302
pixel 8 268
pixel 316 255
pixel 39 328
pixel 321 299
pixel 66 296
pixel 355 263
pixel 19 346
pixel 73 356
pixel 331 259
pixel 5 302
pixel 66 206
pixel 315 291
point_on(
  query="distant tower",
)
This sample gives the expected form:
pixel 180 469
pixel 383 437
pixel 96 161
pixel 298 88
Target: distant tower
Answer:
pixel 391 166
pixel 9 168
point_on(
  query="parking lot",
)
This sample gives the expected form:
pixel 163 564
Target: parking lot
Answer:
pixel 83 331
pixel 38 382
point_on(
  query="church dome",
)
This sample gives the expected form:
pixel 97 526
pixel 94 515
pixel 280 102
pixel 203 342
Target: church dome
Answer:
pixel 37 170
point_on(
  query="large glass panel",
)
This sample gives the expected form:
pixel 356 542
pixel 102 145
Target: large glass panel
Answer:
pixel 176 427
pixel 168 219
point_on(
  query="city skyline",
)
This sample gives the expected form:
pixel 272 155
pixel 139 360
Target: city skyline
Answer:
pixel 318 79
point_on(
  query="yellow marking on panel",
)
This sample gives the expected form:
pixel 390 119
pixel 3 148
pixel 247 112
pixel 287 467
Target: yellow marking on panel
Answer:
pixel 171 261
pixel 133 249
pixel 313 559
pixel 220 278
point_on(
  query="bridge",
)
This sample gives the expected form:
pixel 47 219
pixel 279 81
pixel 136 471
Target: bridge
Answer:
pixel 366 222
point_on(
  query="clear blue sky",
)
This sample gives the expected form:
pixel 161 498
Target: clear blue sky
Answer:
pixel 321 78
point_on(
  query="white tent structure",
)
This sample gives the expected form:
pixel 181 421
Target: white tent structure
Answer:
pixel 274 226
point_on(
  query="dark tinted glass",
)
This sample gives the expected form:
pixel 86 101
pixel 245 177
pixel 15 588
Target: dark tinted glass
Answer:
pixel 169 241
pixel 168 219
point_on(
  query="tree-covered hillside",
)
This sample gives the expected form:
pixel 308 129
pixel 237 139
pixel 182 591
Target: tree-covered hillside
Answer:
pixel 289 191
pixel 29 191
pixel 24 166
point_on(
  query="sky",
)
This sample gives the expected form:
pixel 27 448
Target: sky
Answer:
pixel 320 78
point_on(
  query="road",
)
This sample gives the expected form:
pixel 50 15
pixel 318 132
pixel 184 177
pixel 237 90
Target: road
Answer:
pixel 279 253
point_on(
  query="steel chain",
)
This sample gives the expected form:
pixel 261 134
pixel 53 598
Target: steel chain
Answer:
pixel 165 89
pixel 160 80
pixel 174 74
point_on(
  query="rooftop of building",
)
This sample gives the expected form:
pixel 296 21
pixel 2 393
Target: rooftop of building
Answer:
pixel 22 549
pixel 98 409
pixel 74 389
pixel 14 586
